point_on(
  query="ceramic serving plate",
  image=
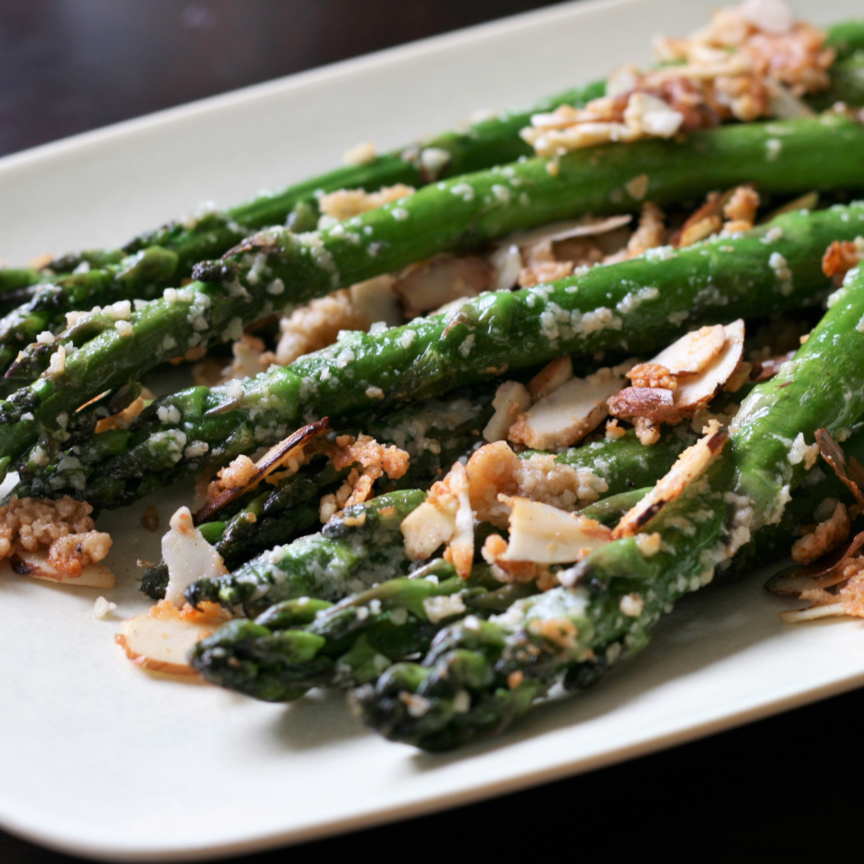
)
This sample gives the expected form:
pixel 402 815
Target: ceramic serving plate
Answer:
pixel 101 760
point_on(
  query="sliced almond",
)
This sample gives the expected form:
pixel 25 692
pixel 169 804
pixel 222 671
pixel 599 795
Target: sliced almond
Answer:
pixel 440 280
pixel 544 534
pixel 161 640
pixel 588 226
pixel 693 394
pixel 188 556
pixel 273 459
pixel 692 353
pixel 568 413
pixel 690 465
pixel 550 377
pixel 461 546
pixel 377 300
pixel 430 526
pixel 35 565
pixel 511 399
pixel 655 404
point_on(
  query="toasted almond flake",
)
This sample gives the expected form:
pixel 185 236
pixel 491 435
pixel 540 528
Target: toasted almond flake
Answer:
pixel 543 534
pixel 550 377
pixel 37 565
pixel 161 639
pixel 569 412
pixel 188 556
pixel 693 394
pixel 798 616
pixel 692 353
pixel 690 465
pixel 511 399
pixel 430 526
pixel 286 451
pixel 431 284
pixel 587 226
pixel 461 546
pixel 376 301
pixel 653 404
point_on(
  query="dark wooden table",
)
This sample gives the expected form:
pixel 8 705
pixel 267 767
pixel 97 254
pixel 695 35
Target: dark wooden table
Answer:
pixel 784 788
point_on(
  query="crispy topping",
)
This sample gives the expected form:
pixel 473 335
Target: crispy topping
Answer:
pixel 824 537
pixel 841 257
pixel 689 466
pixel 751 61
pixel 345 203
pixel 161 639
pixel 511 399
pixel 652 375
pixel 569 412
pixel 542 534
pixel 55 540
pixel 188 556
pixel 368 461
pixel 852 475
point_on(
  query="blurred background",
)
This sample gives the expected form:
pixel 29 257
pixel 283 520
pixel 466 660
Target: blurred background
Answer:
pixel 785 788
pixel 67 66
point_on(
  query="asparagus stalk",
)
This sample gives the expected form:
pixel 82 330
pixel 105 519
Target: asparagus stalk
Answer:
pixel 479 675
pixel 354 641
pixel 434 433
pixel 306 642
pixel 638 305
pixel 157 259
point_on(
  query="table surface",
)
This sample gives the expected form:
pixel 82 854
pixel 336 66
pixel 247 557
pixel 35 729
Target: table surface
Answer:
pixel 785 787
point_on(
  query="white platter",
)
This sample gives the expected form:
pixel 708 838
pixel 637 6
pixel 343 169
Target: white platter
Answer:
pixel 98 759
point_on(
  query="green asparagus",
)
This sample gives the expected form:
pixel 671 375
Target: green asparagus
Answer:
pixel 479 675
pixel 638 304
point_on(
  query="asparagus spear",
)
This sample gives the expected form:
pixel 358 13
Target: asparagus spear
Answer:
pixel 158 259
pixel 638 304
pixel 479 675
pixel 434 433
pixel 815 153
pixel 354 641
pixel 305 642
pixel 153 261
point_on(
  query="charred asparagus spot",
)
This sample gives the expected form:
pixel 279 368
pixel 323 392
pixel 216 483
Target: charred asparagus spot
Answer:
pixel 479 675
pixel 642 303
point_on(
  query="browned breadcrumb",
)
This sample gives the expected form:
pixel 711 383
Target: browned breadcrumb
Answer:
pixel 647 431
pixel 63 526
pixel 124 419
pixel 841 257
pixel 368 461
pixel 150 518
pixel 345 203
pixel 651 232
pixel 824 537
pixel 234 475
pixel 317 325
pixel 743 205
pixel 613 430
pixel 652 375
